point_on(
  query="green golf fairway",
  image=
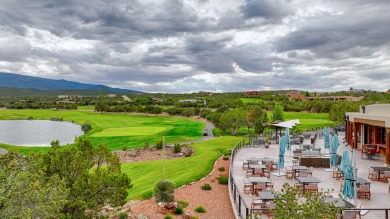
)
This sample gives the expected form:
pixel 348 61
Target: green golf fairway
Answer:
pixel 123 130
pixel 129 131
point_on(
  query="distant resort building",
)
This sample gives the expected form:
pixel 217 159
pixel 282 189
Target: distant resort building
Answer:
pixel 336 98
pixel 296 95
pixel 209 93
pixel 370 126
pixel 188 101
pixel 252 93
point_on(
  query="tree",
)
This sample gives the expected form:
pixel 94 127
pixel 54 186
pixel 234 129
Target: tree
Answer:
pixel 232 120
pixel 261 122
pixel 252 115
pixel 293 204
pixel 86 127
pixel 92 175
pixel 278 113
pixel 25 191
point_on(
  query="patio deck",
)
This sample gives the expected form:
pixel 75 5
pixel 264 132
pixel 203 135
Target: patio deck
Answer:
pixel 379 190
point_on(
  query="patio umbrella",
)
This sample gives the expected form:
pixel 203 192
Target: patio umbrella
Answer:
pixel 287 134
pixel 333 149
pixel 282 148
pixel 326 137
pixel 349 177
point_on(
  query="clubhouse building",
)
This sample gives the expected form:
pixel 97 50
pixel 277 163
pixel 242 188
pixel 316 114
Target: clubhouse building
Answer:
pixel 370 128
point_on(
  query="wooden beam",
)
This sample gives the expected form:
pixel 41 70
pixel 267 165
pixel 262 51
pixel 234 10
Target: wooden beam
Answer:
pixel 371 122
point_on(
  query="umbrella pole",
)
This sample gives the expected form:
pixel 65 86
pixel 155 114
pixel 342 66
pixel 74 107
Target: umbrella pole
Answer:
pixel 278 173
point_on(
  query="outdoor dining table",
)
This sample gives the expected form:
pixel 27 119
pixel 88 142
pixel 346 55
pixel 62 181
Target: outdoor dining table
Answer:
pixel 298 168
pixel 339 202
pixel 362 181
pixel 258 179
pixel 380 170
pixel 306 181
pixel 267 195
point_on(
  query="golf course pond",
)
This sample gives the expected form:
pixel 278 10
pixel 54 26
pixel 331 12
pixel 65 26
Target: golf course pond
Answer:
pixel 38 132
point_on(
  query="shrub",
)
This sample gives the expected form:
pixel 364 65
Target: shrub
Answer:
pixel 159 144
pixel 225 158
pixel 86 127
pixel 146 144
pixel 200 209
pixel 122 215
pixel 179 210
pixel 223 179
pixel 177 148
pixel 221 169
pixel 188 152
pixel 168 217
pixel 206 186
pixel 163 191
pixel 183 204
pixel 124 148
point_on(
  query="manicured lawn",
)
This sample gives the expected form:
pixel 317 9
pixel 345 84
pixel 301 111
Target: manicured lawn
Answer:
pixel 181 171
pixel 129 131
pixel 251 100
pixel 175 129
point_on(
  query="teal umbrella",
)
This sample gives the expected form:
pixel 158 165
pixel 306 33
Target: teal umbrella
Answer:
pixel 346 167
pixel 326 138
pixel 282 148
pixel 333 149
pixel 287 134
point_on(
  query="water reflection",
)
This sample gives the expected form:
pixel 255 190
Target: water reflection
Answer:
pixel 37 132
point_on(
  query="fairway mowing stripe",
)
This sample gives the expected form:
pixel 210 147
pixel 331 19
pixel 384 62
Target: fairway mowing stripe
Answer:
pixel 129 131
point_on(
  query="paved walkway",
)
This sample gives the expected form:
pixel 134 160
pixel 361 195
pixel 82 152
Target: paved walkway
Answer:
pixel 379 197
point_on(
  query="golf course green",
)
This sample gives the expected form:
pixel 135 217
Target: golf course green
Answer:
pixel 118 131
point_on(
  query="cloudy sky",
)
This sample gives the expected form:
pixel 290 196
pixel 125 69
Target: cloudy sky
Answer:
pixel 176 46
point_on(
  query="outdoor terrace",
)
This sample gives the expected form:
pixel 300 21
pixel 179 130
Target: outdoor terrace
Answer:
pixel 380 196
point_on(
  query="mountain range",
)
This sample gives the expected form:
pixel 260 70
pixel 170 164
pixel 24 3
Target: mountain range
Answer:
pixel 23 81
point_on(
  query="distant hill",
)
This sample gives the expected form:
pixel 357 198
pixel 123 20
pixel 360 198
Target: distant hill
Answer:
pixel 22 81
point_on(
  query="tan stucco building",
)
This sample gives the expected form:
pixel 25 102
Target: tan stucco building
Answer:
pixel 370 126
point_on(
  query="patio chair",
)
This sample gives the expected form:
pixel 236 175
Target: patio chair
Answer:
pixel 337 173
pixel 313 188
pixel 260 187
pixel 253 162
pixel 303 173
pixel 310 171
pixel 372 175
pixel 288 173
pixel 298 186
pixel 269 206
pixel 364 191
pixel 351 214
pixel 257 204
pixel 274 165
pixel 385 176
pixel 389 184
pixel 266 173
pixel 258 172
pixel 268 165
pixel 270 186
pixel 249 172
pixel 248 187
pixel 245 164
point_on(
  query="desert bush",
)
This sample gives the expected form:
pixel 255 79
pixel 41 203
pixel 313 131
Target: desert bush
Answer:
pixel 221 169
pixel 179 210
pixel 183 204
pixel 163 191
pixel 223 179
pixel 86 127
pixel 188 152
pixel 159 144
pixel 225 158
pixel 200 209
pixel 146 144
pixel 122 215
pixel 206 186
pixel 168 217
pixel 177 148
pixel 124 148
